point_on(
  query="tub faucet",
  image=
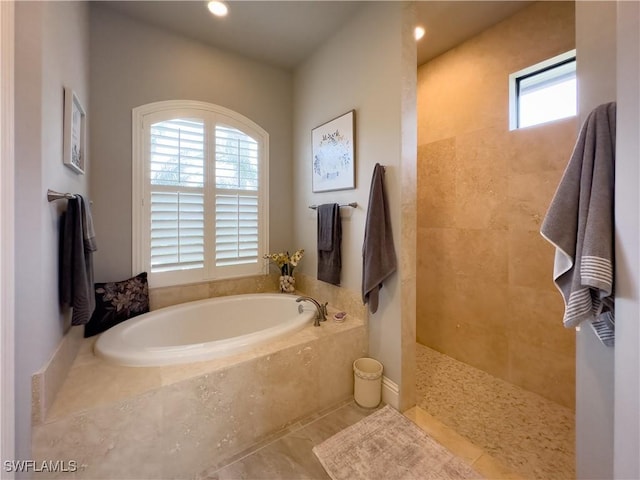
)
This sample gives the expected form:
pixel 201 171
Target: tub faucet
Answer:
pixel 321 309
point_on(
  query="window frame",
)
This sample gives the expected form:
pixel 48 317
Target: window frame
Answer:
pixel 142 118
pixel 538 68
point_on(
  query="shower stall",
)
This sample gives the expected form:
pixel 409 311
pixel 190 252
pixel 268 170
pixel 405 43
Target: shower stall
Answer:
pixel 494 361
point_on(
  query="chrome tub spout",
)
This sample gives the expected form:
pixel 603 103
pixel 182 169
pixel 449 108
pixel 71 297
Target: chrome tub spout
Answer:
pixel 321 309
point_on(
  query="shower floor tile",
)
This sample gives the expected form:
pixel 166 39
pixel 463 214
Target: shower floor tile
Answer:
pixel 532 435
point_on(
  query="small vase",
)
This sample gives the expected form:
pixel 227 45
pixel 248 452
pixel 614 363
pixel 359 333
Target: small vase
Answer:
pixel 287 284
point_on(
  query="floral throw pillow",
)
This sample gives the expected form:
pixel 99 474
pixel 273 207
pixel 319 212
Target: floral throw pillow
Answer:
pixel 117 302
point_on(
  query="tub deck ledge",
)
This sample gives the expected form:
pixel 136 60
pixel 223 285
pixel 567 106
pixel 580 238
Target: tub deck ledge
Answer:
pixel 94 382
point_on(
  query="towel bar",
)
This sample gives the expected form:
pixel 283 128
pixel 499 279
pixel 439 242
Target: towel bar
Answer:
pixel 352 205
pixel 52 195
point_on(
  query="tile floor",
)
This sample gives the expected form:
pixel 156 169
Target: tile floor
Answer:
pixel 502 431
pixel 532 435
pixel 288 455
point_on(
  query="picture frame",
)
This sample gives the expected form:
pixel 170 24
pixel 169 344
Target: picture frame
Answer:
pixel 333 154
pixel 75 121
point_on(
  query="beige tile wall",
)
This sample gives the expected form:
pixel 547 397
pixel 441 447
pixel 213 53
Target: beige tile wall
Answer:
pixel 337 297
pixel 485 295
pixel 167 296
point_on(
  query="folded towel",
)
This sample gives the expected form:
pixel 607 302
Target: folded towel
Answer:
pixel 329 243
pixel 326 215
pixel 579 223
pixel 378 253
pixel 76 264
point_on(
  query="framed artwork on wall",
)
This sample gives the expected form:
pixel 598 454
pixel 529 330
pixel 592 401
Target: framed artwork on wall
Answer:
pixel 333 154
pixel 75 121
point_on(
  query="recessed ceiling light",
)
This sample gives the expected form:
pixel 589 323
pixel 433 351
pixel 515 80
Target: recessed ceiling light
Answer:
pixel 219 9
pixel 418 33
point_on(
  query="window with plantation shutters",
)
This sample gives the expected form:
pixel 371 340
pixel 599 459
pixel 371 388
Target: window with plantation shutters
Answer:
pixel 199 201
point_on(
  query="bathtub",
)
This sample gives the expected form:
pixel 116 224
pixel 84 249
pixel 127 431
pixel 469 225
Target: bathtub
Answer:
pixel 197 417
pixel 202 330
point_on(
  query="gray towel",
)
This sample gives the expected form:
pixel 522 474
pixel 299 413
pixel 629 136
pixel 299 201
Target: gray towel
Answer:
pixel 579 224
pixel 76 264
pixel 329 243
pixel 378 253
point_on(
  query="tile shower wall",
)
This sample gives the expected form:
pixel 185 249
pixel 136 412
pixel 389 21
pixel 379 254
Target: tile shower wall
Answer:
pixel 485 295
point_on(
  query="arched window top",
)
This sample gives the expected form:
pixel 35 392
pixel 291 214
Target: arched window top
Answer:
pixel 168 108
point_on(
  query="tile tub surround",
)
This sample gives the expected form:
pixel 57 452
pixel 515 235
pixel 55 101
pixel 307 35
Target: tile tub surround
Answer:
pixel 167 296
pixel 338 297
pixel 532 435
pixel 175 421
pixel 46 383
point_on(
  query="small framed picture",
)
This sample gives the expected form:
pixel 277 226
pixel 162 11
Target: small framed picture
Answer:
pixel 75 121
pixel 333 154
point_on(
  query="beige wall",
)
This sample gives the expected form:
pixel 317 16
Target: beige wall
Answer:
pixel 372 74
pixel 52 52
pixel 132 64
pixel 485 291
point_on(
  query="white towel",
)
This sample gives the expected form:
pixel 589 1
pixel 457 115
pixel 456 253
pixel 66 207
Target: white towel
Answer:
pixel 579 223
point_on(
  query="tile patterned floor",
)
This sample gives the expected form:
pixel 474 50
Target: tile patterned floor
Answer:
pixel 288 455
pixel 530 434
pixel 501 430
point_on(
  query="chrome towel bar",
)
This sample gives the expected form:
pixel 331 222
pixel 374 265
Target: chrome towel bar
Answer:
pixel 352 205
pixel 52 195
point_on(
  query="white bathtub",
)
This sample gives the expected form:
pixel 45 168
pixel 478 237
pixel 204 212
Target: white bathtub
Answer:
pixel 202 330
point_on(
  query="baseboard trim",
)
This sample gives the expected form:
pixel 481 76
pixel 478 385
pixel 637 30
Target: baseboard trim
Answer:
pixel 390 392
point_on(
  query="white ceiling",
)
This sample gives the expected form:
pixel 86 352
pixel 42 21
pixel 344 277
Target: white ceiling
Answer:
pixel 283 33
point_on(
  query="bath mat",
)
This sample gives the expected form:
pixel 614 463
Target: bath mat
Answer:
pixel 387 445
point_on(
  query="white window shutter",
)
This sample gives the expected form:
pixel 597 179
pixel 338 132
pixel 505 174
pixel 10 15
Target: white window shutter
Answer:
pixel 236 160
pixel 236 229
pixel 237 209
pixel 177 172
pixel 177 231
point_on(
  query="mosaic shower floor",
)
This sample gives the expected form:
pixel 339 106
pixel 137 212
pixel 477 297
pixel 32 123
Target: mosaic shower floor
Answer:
pixel 532 435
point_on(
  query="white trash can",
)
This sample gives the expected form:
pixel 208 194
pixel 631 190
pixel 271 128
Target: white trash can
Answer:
pixel 367 385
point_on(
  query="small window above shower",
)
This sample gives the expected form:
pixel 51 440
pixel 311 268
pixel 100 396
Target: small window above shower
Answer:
pixel 543 92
